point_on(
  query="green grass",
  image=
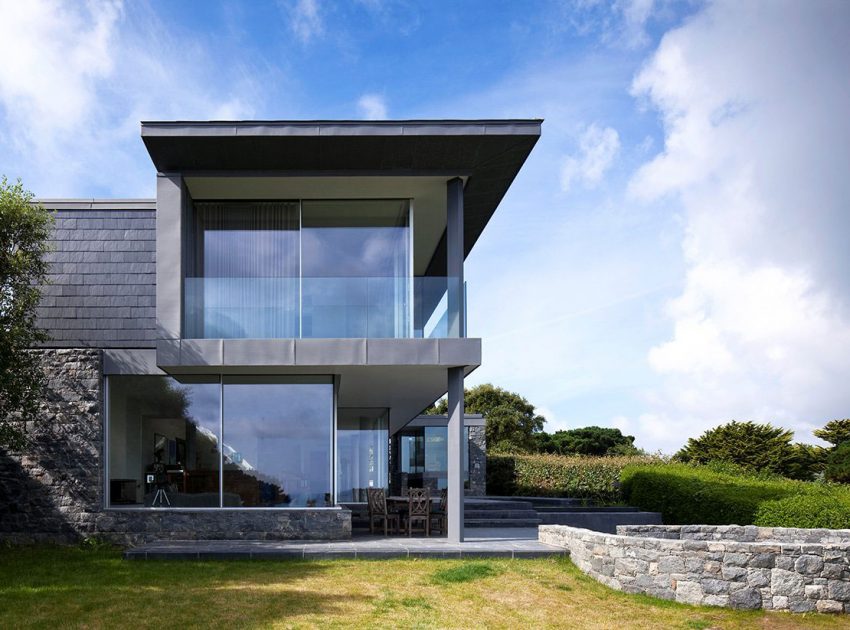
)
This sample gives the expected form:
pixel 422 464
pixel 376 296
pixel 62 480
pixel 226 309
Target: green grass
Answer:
pixel 464 572
pixel 51 587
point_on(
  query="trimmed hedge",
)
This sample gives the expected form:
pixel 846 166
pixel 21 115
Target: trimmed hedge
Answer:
pixel 687 494
pixel 592 478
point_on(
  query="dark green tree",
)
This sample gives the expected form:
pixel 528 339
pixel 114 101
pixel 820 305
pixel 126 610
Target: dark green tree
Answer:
pixel 24 230
pixel 758 447
pixel 511 424
pixel 593 441
pixel 838 463
pixel 835 432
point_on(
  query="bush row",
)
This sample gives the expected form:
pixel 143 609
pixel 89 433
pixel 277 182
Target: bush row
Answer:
pixel 593 478
pixel 711 495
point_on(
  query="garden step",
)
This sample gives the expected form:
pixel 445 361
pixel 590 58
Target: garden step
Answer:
pixel 498 523
pixel 600 521
pixel 500 514
pixel 579 508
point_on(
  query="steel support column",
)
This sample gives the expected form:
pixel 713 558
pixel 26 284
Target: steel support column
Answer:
pixel 456 328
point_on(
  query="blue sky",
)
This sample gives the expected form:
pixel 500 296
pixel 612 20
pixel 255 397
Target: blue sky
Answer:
pixel 672 255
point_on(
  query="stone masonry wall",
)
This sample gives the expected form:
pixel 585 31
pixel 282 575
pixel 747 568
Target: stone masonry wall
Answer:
pixel 477 462
pixel 52 491
pixel 709 566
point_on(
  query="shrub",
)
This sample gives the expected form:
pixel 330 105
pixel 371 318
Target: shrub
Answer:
pixel 723 494
pixel 748 444
pixel 838 464
pixel 591 478
pixel 805 510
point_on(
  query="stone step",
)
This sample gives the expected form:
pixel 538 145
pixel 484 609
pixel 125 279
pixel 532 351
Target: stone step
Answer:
pixel 498 523
pixel 600 521
pixel 584 509
pixel 496 506
pixel 498 514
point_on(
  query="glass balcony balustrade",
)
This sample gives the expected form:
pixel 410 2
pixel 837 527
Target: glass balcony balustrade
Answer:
pixel 313 307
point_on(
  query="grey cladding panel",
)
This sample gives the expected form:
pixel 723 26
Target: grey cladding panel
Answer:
pixel 102 279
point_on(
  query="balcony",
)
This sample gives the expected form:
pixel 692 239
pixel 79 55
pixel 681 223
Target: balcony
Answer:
pixel 318 308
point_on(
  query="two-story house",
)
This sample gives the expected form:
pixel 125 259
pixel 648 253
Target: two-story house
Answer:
pixel 252 339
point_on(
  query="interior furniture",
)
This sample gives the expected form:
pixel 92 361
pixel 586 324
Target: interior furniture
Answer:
pixel 439 513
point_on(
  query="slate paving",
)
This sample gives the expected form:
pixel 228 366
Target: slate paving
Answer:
pixel 479 543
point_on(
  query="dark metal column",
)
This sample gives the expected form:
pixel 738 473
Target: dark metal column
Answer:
pixel 456 328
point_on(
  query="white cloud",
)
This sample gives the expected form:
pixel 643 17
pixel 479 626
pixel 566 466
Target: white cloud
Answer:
pixel 597 149
pixel 305 19
pixel 53 55
pixel 757 142
pixel 372 107
pixel 76 79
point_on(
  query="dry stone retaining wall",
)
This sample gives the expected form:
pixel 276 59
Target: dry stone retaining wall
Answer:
pixel 737 567
pixel 52 490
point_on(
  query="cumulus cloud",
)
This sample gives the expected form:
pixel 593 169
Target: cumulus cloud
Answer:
pixel 754 101
pixel 305 19
pixel 77 78
pixel 53 55
pixel 372 107
pixel 597 149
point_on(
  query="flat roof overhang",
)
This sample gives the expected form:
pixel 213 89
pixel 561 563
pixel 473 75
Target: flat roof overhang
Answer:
pixel 488 153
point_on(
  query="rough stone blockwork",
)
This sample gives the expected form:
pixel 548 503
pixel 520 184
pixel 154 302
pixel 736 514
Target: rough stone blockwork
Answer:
pixel 737 567
pixel 477 462
pixel 53 490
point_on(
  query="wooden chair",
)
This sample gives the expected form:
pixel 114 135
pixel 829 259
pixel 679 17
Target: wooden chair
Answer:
pixel 440 515
pixel 419 509
pixel 377 500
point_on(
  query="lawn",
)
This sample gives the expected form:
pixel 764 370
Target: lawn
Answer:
pixel 68 587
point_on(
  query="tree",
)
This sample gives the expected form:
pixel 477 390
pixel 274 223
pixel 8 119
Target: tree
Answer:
pixel 24 230
pixel 511 424
pixel 838 463
pixel 835 432
pixel 759 447
pixel 593 441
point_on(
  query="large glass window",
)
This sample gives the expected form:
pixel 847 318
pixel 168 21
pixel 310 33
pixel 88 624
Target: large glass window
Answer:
pixel 356 268
pixel 282 269
pixel 421 458
pixel 243 279
pixel 361 452
pixel 277 441
pixel 164 441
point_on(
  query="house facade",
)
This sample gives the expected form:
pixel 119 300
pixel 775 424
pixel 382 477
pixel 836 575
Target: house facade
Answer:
pixel 235 358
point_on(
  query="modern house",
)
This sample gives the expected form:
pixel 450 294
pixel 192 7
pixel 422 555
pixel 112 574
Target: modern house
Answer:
pixel 262 331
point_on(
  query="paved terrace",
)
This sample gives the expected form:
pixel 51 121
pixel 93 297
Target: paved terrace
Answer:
pixel 480 543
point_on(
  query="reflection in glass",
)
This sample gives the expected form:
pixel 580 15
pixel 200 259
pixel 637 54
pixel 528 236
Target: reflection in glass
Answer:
pixel 421 458
pixel 361 452
pixel 277 441
pixel 159 420
pixel 356 268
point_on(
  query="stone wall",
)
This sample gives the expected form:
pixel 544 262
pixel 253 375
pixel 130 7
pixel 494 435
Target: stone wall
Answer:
pixel 52 491
pixel 477 462
pixel 771 568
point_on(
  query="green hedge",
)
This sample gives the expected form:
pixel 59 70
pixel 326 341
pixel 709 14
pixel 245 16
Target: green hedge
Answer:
pixel 591 478
pixel 686 494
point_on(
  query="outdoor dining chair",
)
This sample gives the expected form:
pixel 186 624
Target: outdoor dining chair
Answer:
pixel 419 509
pixel 440 515
pixel 377 502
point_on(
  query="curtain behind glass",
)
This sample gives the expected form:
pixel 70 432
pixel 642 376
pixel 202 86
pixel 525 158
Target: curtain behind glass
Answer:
pixel 246 267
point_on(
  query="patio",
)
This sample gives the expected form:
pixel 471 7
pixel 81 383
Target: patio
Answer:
pixel 480 543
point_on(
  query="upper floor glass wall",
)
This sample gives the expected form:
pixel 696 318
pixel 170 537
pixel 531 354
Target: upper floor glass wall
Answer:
pixel 309 269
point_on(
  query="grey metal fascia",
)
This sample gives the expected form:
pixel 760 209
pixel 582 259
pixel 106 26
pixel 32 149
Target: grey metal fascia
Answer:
pixel 448 127
pixel 97 204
